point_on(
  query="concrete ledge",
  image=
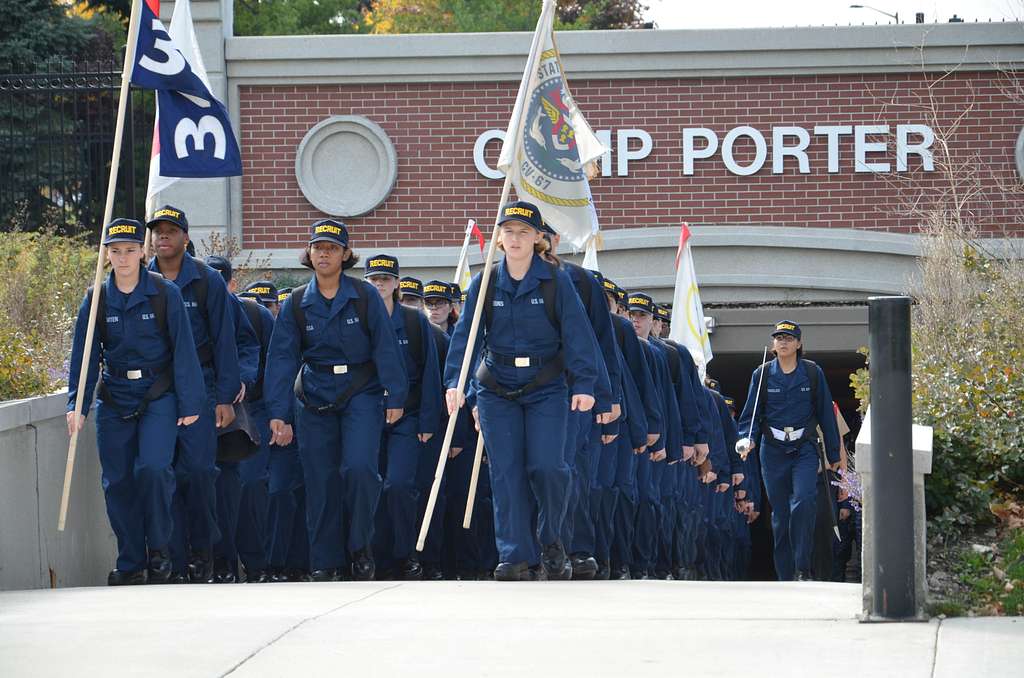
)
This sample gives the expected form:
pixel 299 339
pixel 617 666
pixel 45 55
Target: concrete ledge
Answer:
pixel 627 54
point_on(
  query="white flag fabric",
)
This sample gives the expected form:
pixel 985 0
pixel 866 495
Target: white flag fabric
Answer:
pixel 183 34
pixel 549 149
pixel 688 328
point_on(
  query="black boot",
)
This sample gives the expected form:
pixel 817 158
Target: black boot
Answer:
pixel 178 578
pixel 584 566
pixel 432 572
pixel 620 573
pixel 363 567
pixel 554 561
pixel 328 574
pixel 159 567
pixel 257 577
pixel 119 578
pixel 278 575
pixel 512 572
pixel 222 572
pixel 200 569
pixel 410 570
pixel 803 575
pixel 604 572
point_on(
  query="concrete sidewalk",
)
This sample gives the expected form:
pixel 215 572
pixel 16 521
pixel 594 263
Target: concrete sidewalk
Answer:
pixel 565 629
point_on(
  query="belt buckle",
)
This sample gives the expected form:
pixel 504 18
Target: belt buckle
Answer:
pixel 523 362
pixel 341 369
pixel 788 431
pixel 134 374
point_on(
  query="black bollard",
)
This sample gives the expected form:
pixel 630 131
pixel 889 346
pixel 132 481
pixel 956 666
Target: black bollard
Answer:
pixel 892 459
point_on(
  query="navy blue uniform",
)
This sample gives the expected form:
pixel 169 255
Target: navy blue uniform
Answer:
pixel 136 456
pixel 400 444
pixel 339 448
pixel 213 330
pixel 528 482
pixel 791 468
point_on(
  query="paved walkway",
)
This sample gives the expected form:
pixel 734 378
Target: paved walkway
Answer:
pixel 562 629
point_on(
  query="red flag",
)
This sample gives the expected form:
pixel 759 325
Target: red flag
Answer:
pixel 684 235
pixel 479 236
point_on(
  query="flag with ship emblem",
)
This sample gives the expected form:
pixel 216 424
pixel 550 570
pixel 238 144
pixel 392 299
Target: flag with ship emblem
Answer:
pixel 549 150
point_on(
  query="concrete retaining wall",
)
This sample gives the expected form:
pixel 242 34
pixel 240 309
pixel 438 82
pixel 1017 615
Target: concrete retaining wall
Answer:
pixel 33 454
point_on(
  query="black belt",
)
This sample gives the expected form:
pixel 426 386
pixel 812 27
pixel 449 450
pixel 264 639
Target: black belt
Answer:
pixel 523 360
pixel 361 374
pixel 161 384
pixel 140 373
pixel 552 369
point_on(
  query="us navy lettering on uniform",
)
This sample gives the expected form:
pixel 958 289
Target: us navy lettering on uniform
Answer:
pixel 536 300
pixel 498 302
pixel 148 316
pixel 112 318
pixel 309 328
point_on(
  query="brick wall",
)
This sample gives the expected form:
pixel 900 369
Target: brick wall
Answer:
pixel 434 126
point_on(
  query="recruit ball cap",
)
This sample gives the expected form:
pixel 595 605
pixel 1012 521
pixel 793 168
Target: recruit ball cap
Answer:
pixel 262 291
pixel 787 327
pixel 411 286
pixel 524 212
pixel 221 265
pixel 662 313
pixel 455 292
pixel 171 215
pixel 382 264
pixel 123 230
pixel 437 289
pixel 329 230
pixel 638 301
pixel 282 294
pixel 714 385
pixel 730 402
pixel 545 227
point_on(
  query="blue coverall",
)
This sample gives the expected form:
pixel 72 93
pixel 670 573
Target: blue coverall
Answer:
pixel 526 436
pixel 136 456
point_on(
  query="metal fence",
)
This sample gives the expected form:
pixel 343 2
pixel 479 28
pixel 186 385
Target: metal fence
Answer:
pixel 56 137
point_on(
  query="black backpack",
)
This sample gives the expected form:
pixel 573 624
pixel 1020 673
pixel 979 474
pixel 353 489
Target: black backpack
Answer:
pixel 362 303
pixel 158 302
pixel 252 312
pixel 548 292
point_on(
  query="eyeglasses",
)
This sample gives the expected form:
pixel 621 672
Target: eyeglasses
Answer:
pixel 435 304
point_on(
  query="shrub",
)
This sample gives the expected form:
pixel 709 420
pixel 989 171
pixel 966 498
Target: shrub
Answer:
pixel 43 277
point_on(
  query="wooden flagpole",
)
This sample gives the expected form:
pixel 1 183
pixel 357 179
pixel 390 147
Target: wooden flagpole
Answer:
pixel 115 163
pixel 464 254
pixel 531 66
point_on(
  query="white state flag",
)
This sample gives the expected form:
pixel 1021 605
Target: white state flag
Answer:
pixel 688 328
pixel 549 149
pixel 183 34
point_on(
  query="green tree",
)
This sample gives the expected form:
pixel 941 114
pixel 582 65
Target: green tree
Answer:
pixel 34 31
pixel 473 16
pixel 299 17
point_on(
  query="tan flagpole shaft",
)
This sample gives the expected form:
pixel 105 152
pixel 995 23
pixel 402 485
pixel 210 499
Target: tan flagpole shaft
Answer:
pixel 531 65
pixel 115 163
pixel 473 479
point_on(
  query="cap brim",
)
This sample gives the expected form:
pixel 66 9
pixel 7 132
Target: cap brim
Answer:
pixel 522 221
pixel 116 239
pixel 152 223
pixel 327 238
pixel 640 308
pixel 369 273
pixel 787 333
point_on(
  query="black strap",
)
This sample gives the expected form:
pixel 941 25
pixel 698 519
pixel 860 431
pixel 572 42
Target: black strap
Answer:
pixel 361 375
pixel 548 292
pixel 160 386
pixel 158 302
pixel 811 425
pixel 200 286
pixel 362 304
pixel 252 312
pixel 414 333
pixel 581 279
pixel 513 361
pixel 551 370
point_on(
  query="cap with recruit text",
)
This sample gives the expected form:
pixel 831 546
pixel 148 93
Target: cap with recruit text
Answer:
pixel 437 289
pixel 171 215
pixel 787 327
pixel 262 291
pixel 123 230
pixel 382 264
pixel 524 212
pixel 329 230
pixel 411 286
pixel 638 301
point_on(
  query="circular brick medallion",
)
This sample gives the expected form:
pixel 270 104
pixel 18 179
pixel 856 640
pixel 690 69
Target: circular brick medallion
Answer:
pixel 346 166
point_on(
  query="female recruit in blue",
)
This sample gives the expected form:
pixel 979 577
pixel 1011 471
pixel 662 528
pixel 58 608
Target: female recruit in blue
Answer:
pixel 404 442
pixel 527 341
pixel 152 383
pixel 794 401
pixel 336 330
